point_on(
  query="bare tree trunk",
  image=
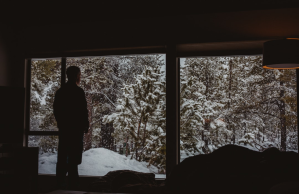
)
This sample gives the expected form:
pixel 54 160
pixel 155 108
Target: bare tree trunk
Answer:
pixel 206 127
pixel 207 120
pixel 136 142
pixel 283 129
pixel 111 137
pixel 127 146
pixel 143 139
pixel 263 134
pixel 229 96
pixel 245 127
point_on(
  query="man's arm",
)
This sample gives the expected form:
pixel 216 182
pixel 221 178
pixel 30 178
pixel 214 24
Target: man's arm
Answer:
pixel 84 112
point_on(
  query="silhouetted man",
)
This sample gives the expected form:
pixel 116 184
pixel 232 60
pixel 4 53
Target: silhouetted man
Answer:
pixel 71 114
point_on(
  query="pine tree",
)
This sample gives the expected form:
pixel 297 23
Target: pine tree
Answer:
pixel 140 115
pixel 256 107
pixel 201 125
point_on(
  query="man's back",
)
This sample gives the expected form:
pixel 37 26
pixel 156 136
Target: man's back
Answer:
pixel 70 109
pixel 71 114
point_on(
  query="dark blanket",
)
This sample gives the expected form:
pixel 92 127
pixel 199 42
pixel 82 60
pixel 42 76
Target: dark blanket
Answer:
pixel 230 169
pixel 234 169
pixel 126 181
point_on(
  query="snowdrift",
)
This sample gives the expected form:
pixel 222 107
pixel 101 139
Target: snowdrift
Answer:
pixel 97 162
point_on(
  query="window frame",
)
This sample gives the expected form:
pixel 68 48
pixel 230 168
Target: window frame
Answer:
pixel 172 136
pixel 173 54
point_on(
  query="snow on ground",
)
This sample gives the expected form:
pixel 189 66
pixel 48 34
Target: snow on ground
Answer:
pixel 249 147
pixel 184 155
pixel 98 162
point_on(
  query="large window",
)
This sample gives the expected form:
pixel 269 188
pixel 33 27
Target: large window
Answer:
pixel 222 100
pixel 233 100
pixel 126 97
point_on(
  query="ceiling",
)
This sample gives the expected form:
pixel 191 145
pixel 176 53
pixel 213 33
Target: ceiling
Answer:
pixel 27 14
pixel 212 27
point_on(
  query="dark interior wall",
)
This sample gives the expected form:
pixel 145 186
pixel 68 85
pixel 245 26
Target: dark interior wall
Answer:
pixel 12 92
pixel 104 34
pixel 12 114
pixel 239 26
pixel 11 57
pixel 4 74
pixel 235 26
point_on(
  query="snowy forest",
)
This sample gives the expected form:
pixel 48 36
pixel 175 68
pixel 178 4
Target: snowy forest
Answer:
pixel 223 100
pixel 126 103
pixel 233 100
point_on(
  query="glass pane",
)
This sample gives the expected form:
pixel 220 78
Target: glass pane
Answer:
pixel 48 146
pixel 45 80
pixel 233 100
pixel 126 98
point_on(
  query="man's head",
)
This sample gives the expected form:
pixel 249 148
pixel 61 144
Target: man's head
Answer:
pixel 73 74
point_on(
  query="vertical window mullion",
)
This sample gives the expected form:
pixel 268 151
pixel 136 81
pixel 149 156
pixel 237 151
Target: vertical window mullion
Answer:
pixel 172 109
pixel 178 113
pixel 297 88
pixel 27 100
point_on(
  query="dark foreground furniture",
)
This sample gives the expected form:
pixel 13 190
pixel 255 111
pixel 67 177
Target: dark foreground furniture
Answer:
pixel 126 181
pixel 230 169
pixel 18 169
pixel 285 188
pixel 234 169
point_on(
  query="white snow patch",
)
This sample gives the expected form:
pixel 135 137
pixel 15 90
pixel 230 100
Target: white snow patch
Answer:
pixel 98 162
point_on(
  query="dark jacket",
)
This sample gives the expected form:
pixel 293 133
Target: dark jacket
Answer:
pixel 70 110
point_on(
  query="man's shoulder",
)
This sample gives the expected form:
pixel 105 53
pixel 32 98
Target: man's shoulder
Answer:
pixel 69 88
pixel 80 89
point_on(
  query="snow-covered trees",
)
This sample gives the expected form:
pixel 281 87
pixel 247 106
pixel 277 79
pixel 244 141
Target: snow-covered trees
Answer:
pixel 254 107
pixel 198 105
pixel 140 115
pixel 45 80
